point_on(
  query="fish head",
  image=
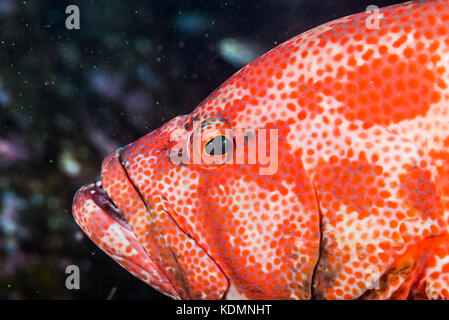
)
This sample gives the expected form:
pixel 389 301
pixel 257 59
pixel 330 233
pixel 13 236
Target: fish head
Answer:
pixel 225 202
pixel 212 204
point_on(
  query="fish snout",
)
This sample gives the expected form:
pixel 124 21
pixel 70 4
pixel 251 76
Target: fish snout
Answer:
pixel 141 235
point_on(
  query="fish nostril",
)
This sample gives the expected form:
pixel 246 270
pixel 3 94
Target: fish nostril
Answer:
pixel 188 126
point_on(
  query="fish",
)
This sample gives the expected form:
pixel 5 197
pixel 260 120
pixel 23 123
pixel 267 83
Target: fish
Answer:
pixel 318 171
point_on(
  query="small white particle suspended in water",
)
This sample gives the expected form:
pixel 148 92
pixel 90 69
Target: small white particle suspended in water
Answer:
pixel 78 236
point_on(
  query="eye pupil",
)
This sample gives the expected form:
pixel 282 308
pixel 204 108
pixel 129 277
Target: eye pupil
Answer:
pixel 218 146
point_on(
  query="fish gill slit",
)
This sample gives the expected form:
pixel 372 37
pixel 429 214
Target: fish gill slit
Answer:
pixel 313 294
pixel 225 293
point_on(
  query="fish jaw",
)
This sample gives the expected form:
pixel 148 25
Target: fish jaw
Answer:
pixel 143 238
pixel 266 246
pixel 97 216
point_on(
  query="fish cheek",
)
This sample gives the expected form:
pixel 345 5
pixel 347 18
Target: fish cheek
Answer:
pixel 263 230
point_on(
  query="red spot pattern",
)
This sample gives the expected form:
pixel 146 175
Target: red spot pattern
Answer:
pixel 359 202
pixel 356 189
pixel 278 263
pixel 190 270
pixel 389 89
pixel 420 192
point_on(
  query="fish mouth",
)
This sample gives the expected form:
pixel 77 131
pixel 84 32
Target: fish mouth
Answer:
pixel 105 224
pixel 143 238
pixel 104 202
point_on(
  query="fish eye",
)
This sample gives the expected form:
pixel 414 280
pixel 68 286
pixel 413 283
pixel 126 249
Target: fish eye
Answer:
pixel 218 146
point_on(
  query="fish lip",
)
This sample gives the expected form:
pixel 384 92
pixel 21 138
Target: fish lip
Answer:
pixel 105 203
pixel 92 202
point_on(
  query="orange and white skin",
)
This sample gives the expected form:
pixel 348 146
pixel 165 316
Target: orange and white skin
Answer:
pixel 358 205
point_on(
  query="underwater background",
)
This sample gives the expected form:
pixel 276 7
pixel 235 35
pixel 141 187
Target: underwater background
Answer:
pixel 70 97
